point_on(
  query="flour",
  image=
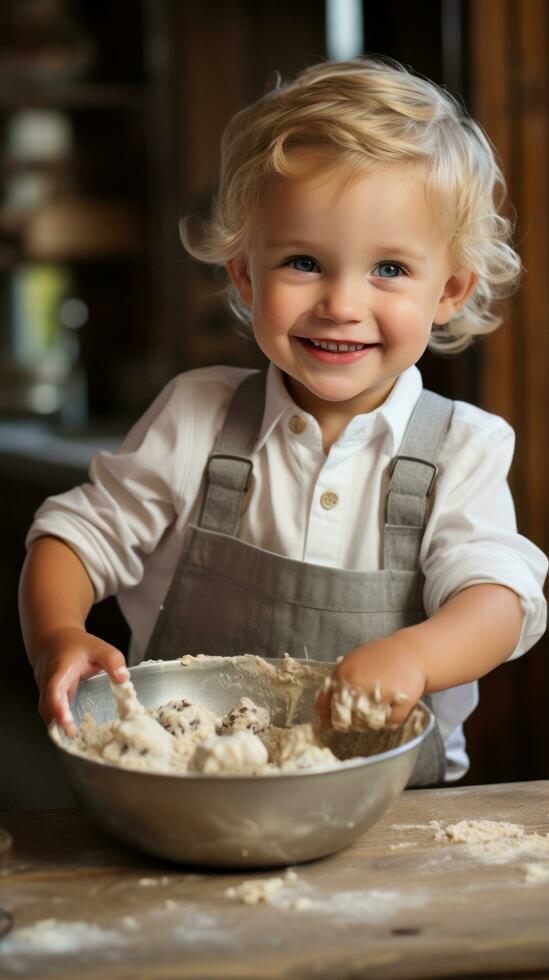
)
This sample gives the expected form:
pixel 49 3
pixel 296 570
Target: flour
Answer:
pixel 255 891
pixel 53 936
pixel 536 873
pixel 278 892
pixel 345 907
pixel 493 841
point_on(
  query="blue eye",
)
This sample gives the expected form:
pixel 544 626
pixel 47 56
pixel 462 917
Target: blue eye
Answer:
pixel 389 270
pixel 302 263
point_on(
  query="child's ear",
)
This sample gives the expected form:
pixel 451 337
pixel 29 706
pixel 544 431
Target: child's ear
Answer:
pixel 240 276
pixel 456 292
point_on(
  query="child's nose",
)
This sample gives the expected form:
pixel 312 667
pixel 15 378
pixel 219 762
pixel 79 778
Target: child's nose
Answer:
pixel 340 301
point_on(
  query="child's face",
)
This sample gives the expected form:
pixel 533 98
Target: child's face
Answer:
pixel 367 268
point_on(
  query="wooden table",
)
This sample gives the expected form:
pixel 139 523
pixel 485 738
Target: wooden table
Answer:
pixel 380 909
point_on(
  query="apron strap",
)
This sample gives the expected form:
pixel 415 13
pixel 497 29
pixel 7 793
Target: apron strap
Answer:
pixel 413 474
pixel 229 468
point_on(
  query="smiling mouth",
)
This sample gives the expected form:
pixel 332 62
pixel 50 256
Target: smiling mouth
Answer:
pixel 335 347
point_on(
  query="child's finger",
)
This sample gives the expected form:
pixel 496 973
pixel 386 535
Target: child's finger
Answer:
pixel 112 661
pixel 322 707
pixel 400 710
pixel 57 700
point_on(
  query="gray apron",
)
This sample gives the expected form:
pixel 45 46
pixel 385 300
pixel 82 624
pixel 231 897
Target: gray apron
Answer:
pixel 229 597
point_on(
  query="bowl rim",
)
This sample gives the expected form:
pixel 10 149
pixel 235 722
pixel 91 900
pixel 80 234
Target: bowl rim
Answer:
pixel 58 737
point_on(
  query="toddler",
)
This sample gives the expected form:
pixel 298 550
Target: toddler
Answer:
pixel 328 506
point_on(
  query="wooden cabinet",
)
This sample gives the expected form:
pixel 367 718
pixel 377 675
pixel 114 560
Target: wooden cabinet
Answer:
pixel 88 202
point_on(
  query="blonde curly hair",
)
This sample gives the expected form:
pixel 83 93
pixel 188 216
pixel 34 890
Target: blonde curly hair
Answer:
pixel 359 113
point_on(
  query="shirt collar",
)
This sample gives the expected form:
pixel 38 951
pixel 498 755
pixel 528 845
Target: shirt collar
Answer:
pixel 392 416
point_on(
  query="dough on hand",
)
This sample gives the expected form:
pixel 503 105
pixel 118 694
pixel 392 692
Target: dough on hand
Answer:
pixel 127 702
pixel 356 710
pixel 242 752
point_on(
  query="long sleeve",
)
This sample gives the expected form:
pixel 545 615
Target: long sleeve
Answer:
pixel 116 519
pixel 471 536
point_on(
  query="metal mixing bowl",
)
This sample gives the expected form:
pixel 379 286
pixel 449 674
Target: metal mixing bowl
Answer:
pixel 228 820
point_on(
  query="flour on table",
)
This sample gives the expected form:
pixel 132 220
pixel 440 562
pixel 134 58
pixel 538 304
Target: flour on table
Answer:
pixel 535 872
pixel 493 841
pixel 50 936
pixel 271 891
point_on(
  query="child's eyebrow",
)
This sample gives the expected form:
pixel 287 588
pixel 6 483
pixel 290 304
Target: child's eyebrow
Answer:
pixel 395 251
pixel 305 245
pixel 399 250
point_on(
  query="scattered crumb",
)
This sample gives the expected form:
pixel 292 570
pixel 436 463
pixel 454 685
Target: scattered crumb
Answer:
pixel 397 847
pixel 149 882
pixel 493 841
pixel 256 891
pixel 300 904
pixel 535 872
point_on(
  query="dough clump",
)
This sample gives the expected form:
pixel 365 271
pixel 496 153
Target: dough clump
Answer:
pixel 245 716
pixel 181 736
pixel 242 752
pixel 356 710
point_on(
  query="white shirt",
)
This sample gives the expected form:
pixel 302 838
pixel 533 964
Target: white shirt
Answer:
pixel 127 524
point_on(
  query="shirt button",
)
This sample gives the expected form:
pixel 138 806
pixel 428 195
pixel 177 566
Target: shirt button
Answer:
pixel 329 499
pixel 297 425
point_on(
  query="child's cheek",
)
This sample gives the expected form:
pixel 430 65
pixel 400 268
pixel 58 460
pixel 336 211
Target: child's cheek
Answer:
pixel 404 320
pixel 277 308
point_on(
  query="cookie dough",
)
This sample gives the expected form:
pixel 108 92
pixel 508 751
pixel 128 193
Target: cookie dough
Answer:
pixel 297 748
pixel 356 710
pixel 182 736
pixel 245 716
pixel 185 718
pixel 172 737
pixel 242 752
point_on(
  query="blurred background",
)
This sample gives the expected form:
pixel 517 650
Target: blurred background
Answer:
pixel 110 120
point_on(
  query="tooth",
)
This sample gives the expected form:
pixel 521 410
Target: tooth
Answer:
pixel 343 347
pixel 332 346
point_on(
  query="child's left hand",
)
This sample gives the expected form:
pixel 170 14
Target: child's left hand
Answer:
pixel 387 666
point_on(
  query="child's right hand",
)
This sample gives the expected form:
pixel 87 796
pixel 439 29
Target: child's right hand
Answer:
pixel 67 656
